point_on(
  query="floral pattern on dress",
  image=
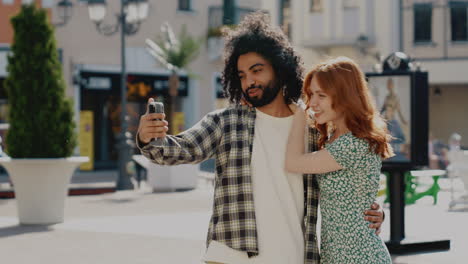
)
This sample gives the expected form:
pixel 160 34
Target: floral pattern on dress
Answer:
pixel 344 196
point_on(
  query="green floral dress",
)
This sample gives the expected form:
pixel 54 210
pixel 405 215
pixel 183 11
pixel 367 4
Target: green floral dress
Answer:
pixel 344 196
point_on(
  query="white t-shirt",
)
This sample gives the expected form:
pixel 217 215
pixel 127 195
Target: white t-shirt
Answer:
pixel 278 199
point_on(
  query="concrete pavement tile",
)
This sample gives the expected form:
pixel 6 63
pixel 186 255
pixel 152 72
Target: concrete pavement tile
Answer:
pixel 144 227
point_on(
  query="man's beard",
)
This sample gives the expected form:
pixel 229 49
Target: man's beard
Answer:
pixel 269 93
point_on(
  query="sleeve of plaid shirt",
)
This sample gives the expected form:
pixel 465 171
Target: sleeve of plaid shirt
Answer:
pixel 191 146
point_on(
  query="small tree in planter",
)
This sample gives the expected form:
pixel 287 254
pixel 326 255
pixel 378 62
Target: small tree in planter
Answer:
pixel 41 118
pixel 41 134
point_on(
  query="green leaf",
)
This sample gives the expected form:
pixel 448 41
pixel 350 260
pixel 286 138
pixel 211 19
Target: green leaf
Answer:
pixel 178 52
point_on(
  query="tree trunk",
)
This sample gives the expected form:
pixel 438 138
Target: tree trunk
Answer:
pixel 173 92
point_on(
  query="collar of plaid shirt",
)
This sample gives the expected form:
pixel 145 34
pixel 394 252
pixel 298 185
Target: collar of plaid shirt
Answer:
pixel 227 135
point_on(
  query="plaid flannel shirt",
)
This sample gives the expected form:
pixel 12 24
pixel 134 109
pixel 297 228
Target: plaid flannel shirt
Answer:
pixel 227 135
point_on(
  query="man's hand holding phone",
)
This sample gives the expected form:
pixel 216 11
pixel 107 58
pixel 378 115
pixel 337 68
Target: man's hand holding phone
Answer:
pixel 152 124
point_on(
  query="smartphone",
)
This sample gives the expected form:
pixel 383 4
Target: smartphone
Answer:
pixel 156 107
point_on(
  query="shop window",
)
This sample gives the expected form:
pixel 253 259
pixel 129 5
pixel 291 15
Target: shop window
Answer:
pixel 422 23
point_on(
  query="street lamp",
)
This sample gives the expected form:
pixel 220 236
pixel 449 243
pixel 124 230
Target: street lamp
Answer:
pixel 132 13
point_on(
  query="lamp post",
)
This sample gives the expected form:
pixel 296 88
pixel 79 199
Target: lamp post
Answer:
pixel 132 13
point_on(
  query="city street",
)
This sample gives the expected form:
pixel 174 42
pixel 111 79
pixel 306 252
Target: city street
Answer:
pixel 144 227
pixel 80 81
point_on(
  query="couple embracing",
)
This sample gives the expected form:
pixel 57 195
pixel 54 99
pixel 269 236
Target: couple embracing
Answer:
pixel 275 161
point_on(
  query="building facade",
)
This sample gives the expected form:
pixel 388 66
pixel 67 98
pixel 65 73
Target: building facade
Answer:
pixel 432 32
pixel 91 67
pixel 360 29
pixel 436 35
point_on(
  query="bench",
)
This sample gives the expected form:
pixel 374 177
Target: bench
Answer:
pixel 412 183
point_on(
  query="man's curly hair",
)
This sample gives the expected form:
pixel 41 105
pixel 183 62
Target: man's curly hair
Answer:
pixel 255 34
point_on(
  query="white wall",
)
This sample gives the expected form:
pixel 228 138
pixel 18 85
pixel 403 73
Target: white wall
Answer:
pixel 447 71
pixel 448 112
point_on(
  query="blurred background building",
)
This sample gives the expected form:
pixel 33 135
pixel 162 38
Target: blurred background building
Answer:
pixel 433 32
pixel 91 66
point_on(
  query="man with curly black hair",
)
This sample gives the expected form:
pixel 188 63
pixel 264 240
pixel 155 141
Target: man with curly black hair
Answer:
pixel 248 142
pixel 255 35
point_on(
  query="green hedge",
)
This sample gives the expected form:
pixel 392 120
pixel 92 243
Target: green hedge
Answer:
pixel 41 117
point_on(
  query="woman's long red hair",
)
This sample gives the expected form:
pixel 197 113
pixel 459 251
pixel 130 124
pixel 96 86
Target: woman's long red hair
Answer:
pixel 344 82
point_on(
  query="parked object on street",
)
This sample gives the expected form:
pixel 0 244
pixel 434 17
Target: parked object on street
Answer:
pixel 412 181
pixel 458 167
pixel 437 152
pixel 454 142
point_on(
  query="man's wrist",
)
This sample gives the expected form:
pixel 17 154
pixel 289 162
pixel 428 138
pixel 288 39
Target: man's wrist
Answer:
pixel 140 144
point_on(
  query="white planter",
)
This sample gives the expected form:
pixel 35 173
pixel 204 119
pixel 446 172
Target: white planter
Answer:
pixel 41 186
pixel 168 178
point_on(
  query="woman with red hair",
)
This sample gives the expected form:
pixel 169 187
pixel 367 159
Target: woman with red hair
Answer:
pixel 353 141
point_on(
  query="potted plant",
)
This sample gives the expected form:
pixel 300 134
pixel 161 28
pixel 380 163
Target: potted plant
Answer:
pixel 41 136
pixel 173 53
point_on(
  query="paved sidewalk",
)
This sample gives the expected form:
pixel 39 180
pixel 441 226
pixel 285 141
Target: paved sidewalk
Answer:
pixel 140 227
pixel 122 227
pixel 80 179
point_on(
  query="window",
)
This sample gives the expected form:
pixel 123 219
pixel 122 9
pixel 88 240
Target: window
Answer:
pixel 285 17
pixel 422 23
pixel 185 5
pixel 8 2
pixel 350 4
pixel 315 5
pixel 459 20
